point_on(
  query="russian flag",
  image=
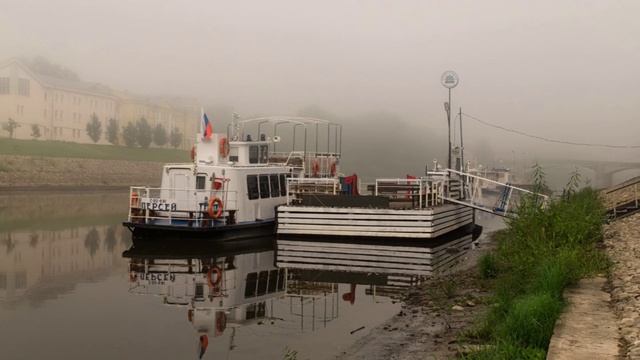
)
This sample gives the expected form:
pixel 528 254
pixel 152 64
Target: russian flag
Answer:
pixel 207 128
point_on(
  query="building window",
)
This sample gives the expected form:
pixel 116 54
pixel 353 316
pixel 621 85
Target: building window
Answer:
pixel 5 85
pixel 264 186
pixel 24 87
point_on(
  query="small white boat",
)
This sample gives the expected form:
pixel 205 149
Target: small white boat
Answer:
pixel 236 181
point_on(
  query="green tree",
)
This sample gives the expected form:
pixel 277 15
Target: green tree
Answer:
pixel 94 128
pixel 10 127
pixel 35 131
pixel 175 138
pixel 159 135
pixel 129 135
pixel 143 133
pixel 112 131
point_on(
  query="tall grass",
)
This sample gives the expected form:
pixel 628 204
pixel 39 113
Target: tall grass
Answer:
pixel 540 253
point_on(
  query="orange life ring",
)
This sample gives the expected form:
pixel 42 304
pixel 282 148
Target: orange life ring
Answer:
pixel 135 200
pixel 221 322
pixel 193 153
pixel 223 147
pixel 214 284
pixel 333 168
pixel 315 168
pixel 212 211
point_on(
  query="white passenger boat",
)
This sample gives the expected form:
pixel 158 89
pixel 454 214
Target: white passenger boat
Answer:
pixel 236 180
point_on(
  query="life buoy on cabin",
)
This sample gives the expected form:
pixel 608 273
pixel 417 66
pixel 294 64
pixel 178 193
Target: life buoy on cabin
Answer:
pixel 132 276
pixel 315 168
pixel 214 284
pixel 217 183
pixel 223 147
pixel 193 153
pixel 215 208
pixel 333 168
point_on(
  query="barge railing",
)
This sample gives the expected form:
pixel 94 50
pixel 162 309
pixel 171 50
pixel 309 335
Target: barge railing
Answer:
pixel 300 186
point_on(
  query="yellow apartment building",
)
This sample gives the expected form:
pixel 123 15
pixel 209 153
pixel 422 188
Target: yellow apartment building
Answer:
pixel 61 108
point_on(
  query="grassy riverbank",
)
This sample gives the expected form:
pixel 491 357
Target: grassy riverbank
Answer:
pixel 539 254
pixel 46 148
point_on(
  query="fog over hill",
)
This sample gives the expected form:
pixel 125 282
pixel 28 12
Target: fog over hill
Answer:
pixel 561 70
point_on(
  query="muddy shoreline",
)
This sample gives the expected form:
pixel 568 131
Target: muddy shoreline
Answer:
pixel 433 318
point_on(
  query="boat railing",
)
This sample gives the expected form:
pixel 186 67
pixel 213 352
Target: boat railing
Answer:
pixel 312 164
pixel 416 193
pixel 296 187
pixel 171 204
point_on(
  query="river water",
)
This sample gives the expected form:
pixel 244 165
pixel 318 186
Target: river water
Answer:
pixel 73 287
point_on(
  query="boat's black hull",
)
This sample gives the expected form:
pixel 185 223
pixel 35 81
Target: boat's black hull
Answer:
pixel 153 232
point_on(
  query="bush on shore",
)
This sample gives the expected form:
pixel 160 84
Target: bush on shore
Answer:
pixel 539 254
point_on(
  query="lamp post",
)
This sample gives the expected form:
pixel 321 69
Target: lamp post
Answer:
pixel 449 79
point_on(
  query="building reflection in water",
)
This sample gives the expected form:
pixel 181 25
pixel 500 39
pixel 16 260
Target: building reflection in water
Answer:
pixel 36 265
pixel 46 250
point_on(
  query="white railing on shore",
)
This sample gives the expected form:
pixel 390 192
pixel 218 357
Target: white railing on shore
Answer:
pixel 146 203
pixel 474 196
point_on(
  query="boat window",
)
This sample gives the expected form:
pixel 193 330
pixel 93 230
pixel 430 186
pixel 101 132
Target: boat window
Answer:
pixel 201 180
pixel 281 281
pixel 283 185
pixel 275 189
pixel 252 187
pixel 262 310
pixel 264 154
pixel 199 291
pixel 264 186
pixel 251 312
pixel 262 282
pixel 253 154
pixel 250 289
pixel 233 154
pixel 273 281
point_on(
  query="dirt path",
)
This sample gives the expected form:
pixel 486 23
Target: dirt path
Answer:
pixel 622 239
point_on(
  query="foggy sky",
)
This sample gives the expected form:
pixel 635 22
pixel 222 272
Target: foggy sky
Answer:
pixel 565 69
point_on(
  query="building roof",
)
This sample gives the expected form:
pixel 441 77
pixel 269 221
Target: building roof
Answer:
pixel 61 83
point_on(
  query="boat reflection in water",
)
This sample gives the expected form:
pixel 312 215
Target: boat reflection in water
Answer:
pixel 245 299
